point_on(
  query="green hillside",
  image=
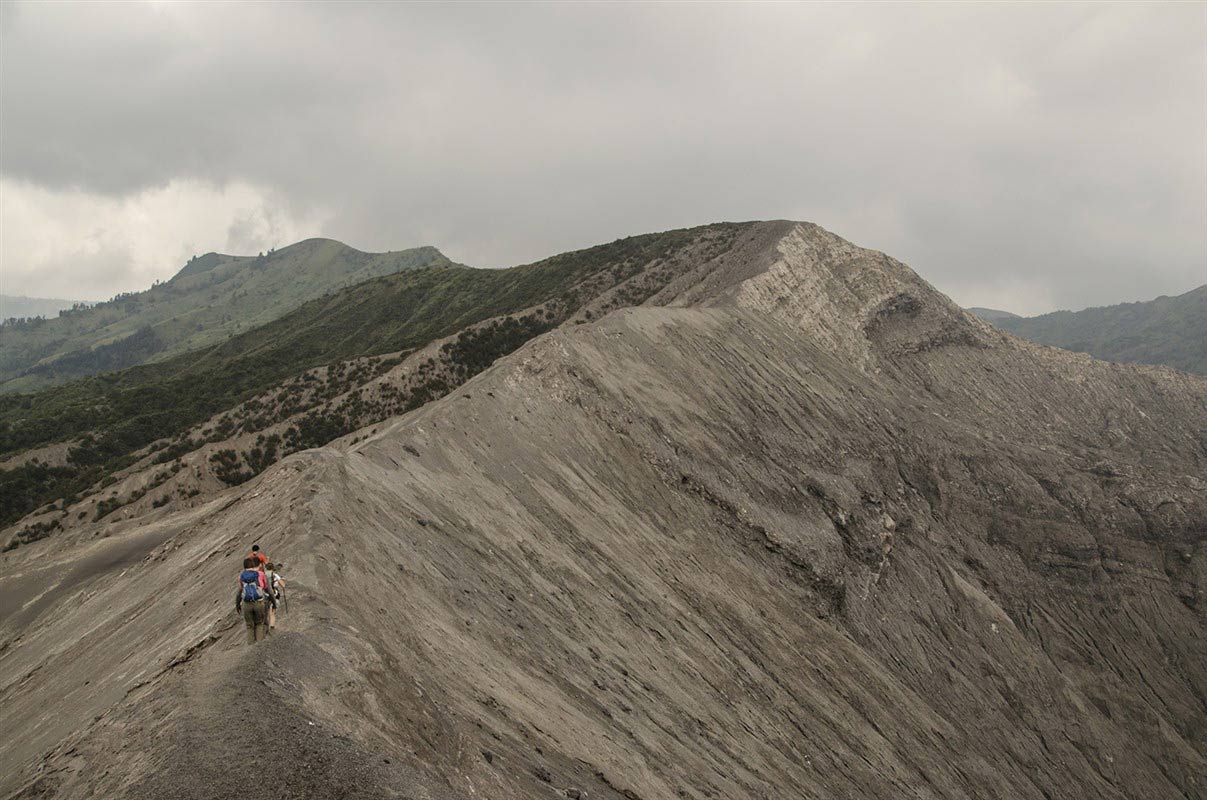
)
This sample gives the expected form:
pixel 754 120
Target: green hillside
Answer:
pixel 111 416
pixel 1171 331
pixel 211 299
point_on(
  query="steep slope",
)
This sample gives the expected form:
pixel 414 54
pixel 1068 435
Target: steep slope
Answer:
pixel 807 529
pixel 260 379
pixel 1171 331
pixel 211 298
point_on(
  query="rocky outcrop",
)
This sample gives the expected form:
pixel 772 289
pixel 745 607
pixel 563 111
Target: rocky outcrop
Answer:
pixel 803 529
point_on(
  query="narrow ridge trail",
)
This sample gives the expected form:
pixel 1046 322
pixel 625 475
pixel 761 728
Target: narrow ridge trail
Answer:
pixel 811 532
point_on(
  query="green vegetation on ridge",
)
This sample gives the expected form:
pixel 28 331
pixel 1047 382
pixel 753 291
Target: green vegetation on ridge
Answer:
pixel 111 416
pixel 1171 331
pixel 211 298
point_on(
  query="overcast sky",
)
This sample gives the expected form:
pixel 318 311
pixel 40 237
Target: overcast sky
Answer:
pixel 1026 157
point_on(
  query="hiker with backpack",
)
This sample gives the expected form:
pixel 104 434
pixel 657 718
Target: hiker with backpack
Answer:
pixel 253 600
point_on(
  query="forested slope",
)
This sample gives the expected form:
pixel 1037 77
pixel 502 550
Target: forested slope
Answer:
pixel 212 298
pixel 1171 331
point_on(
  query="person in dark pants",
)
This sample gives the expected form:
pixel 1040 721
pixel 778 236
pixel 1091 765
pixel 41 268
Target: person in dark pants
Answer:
pixel 253 599
pixel 276 587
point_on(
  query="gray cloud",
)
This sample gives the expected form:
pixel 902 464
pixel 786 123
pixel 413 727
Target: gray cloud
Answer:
pixel 1031 156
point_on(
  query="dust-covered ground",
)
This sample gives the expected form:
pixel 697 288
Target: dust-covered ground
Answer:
pixel 811 531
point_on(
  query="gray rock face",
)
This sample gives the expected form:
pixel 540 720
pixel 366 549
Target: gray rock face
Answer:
pixel 803 529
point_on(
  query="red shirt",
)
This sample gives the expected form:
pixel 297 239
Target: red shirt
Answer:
pixel 263 559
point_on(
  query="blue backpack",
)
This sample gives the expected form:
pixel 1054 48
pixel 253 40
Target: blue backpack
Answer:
pixel 250 580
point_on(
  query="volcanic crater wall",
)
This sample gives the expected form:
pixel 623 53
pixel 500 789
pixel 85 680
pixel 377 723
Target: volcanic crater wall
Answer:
pixel 813 532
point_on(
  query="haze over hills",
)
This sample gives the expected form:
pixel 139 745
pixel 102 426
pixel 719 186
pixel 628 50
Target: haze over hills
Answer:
pixel 754 513
pixel 213 297
pixel 1168 330
pixel 992 314
pixel 14 307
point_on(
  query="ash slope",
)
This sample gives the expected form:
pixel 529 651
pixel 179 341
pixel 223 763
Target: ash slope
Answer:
pixel 808 530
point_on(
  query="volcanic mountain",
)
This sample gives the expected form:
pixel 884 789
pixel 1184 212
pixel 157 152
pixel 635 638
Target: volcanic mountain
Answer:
pixel 794 526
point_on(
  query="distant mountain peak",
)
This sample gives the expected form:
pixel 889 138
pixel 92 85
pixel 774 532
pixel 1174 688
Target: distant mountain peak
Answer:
pixel 213 297
pixel 858 303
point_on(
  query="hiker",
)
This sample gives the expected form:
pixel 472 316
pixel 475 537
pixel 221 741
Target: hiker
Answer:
pixel 260 558
pixel 252 600
pixel 276 587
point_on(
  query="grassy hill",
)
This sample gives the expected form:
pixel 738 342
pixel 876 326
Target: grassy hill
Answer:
pixel 109 418
pixel 212 298
pixel 1171 331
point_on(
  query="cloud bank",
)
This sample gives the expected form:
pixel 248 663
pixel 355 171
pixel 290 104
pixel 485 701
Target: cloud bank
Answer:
pixel 1027 156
